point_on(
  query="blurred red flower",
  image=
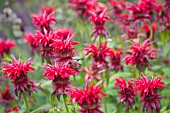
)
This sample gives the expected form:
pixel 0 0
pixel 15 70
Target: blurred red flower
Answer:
pixel 14 109
pixel 148 92
pixel 115 60
pixel 5 46
pixel 126 92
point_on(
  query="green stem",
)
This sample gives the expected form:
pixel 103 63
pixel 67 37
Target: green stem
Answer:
pixel 26 102
pixel 65 103
pixel 105 106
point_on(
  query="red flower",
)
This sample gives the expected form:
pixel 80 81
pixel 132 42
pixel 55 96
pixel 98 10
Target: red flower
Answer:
pixel 6 97
pixel 118 6
pixel 5 46
pixel 17 71
pixel 141 53
pixel 43 20
pixel 115 60
pixel 29 38
pixel 60 74
pixel 83 6
pixel 148 92
pixel 99 21
pixel 64 49
pixel 148 32
pixel 59 70
pixel 48 10
pixel 64 33
pixel 88 98
pixel 126 92
pixel 14 109
pixel 93 71
pixel 132 33
pixel 98 53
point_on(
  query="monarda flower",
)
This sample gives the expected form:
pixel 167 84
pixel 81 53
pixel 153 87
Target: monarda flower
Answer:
pixel 14 109
pixel 88 98
pixel 59 74
pixel 6 97
pixel 147 30
pixel 5 46
pixel 83 6
pixel 63 33
pixel 118 7
pixel 43 20
pixel 30 39
pixel 126 92
pixel 148 92
pixel 140 54
pixel 93 71
pixel 132 33
pixel 17 71
pixel 115 60
pixel 99 21
pixel 64 49
pixel 98 53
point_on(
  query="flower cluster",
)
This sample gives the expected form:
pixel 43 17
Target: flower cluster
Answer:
pixel 88 98
pixel 141 53
pixel 59 74
pixel 6 97
pixel 126 92
pixel 148 92
pixel 17 71
pixel 5 46
pixel 99 23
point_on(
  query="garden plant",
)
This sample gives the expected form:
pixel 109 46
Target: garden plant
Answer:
pixel 85 56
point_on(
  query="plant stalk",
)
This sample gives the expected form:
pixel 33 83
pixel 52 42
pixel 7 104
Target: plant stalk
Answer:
pixel 65 103
pixel 26 102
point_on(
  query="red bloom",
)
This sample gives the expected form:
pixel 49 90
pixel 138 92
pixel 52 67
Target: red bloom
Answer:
pixel 60 75
pixel 141 53
pixel 29 38
pixel 93 71
pixel 6 97
pixel 88 98
pixel 98 53
pixel 48 10
pixel 43 20
pixel 64 49
pixel 115 60
pixel 59 70
pixel 99 21
pixel 83 6
pixel 126 92
pixel 14 109
pixel 148 92
pixel 17 71
pixel 118 6
pixel 63 33
pixel 5 47
pixel 132 33
pixel 148 32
